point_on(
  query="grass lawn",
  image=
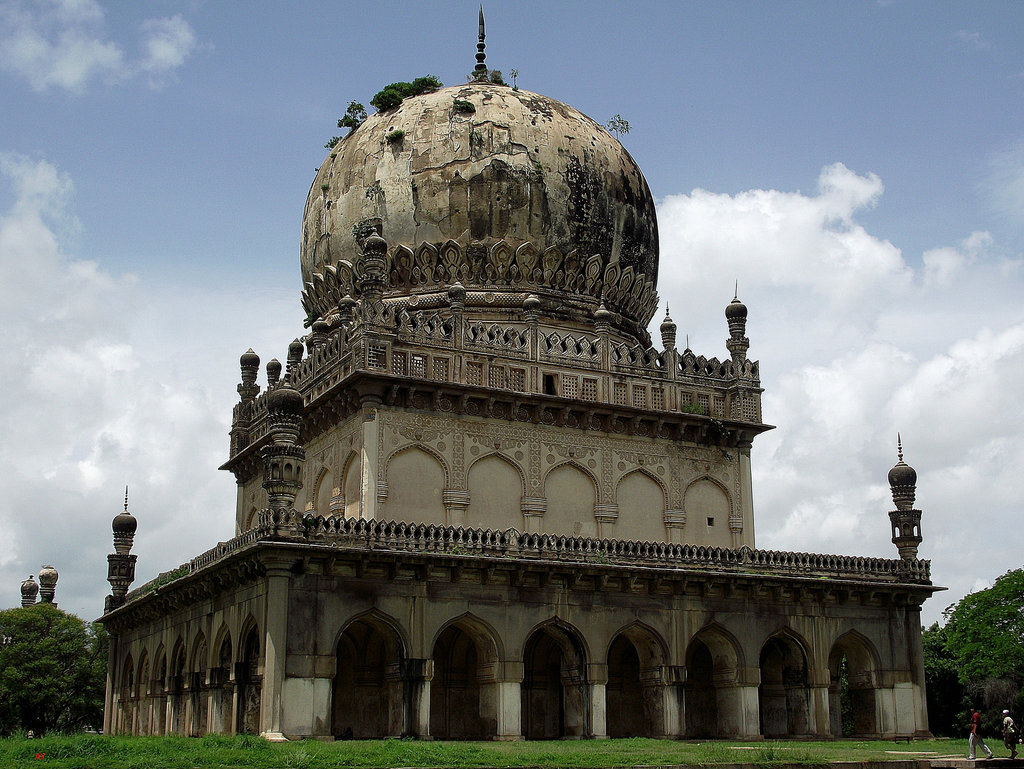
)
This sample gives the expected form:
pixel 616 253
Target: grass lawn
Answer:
pixel 93 752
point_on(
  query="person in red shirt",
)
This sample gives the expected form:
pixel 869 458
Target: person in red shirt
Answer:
pixel 975 738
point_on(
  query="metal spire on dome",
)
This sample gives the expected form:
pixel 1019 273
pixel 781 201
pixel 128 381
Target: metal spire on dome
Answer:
pixel 899 447
pixel 126 497
pixel 736 293
pixel 480 55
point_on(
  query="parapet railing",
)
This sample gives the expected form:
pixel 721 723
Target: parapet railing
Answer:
pixel 457 540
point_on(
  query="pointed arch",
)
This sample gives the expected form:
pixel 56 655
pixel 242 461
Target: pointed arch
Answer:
pixel 641 498
pixel 464 688
pixel 554 690
pixel 371 676
pixel 784 693
pixel 571 491
pixel 853 664
pixel 250 677
pixel 636 690
pixel 496 487
pixel 158 687
pixel 713 659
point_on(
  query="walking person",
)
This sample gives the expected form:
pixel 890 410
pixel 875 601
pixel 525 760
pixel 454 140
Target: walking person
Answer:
pixel 975 738
pixel 1011 734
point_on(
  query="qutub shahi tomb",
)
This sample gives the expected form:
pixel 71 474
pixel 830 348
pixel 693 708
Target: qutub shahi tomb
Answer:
pixel 477 503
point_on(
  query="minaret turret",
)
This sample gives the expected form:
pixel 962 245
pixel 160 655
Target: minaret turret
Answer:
pixel 736 316
pixel 29 591
pixel 284 458
pixel 120 563
pixel 906 521
pixel 668 332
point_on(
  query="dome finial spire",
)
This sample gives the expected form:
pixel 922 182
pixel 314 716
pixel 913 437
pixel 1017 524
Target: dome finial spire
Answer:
pixel 480 55
pixel 899 447
pixel 126 497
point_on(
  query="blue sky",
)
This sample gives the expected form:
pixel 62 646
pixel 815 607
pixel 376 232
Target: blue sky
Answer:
pixel 858 167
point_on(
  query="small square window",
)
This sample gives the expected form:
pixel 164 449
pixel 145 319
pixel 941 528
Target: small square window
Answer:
pixel 711 520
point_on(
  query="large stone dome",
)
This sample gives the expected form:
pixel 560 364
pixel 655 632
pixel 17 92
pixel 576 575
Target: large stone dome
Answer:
pixel 520 172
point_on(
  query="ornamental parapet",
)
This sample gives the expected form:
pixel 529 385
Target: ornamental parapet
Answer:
pixel 510 358
pixel 381 536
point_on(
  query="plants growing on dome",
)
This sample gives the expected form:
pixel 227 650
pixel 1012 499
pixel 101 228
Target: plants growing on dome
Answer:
pixel 617 125
pixel 392 94
pixel 395 137
pixel 464 107
pixel 487 76
pixel 354 116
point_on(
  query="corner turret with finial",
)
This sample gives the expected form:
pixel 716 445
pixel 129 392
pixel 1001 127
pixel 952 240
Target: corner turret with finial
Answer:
pixel 120 563
pixel 905 519
pixel 736 316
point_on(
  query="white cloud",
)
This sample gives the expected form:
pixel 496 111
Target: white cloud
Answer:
pixel 62 44
pixel 167 44
pixel 1005 184
pixel 973 39
pixel 856 344
pixel 106 386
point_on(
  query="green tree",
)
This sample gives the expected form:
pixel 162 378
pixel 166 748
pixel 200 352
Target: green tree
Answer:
pixel 947 698
pixel 985 631
pixel 52 670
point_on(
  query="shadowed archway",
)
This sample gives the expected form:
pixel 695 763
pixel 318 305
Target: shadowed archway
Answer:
pixel 555 701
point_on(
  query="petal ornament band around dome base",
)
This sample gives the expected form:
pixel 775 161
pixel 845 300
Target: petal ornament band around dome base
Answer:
pixel 492 269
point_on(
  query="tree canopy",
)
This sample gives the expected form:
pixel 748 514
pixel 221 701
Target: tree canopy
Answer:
pixel 52 670
pixel 977 657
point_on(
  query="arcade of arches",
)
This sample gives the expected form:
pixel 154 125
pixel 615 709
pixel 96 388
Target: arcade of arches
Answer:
pixel 506 670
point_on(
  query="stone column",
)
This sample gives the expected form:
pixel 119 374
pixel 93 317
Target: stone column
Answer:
pixel 915 650
pixel 108 695
pixel 275 645
pixel 368 461
pixel 510 701
pixel 456 502
pixel 746 501
pixel 597 680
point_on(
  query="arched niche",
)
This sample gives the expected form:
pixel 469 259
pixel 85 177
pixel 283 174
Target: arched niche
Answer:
pixel 322 492
pixel 571 494
pixel 416 479
pixel 352 485
pixel 707 509
pixel 198 688
pixel 641 505
pixel 495 494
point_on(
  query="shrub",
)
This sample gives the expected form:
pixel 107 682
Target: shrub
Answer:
pixel 393 93
pixel 459 105
pixel 395 137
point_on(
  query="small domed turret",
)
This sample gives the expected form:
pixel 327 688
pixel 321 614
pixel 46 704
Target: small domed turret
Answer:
pixel 273 371
pixel 736 310
pixel 249 359
pixel 285 400
pixel 47 584
pixel 668 331
pixel 902 481
pixel 124 526
pixel 29 591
